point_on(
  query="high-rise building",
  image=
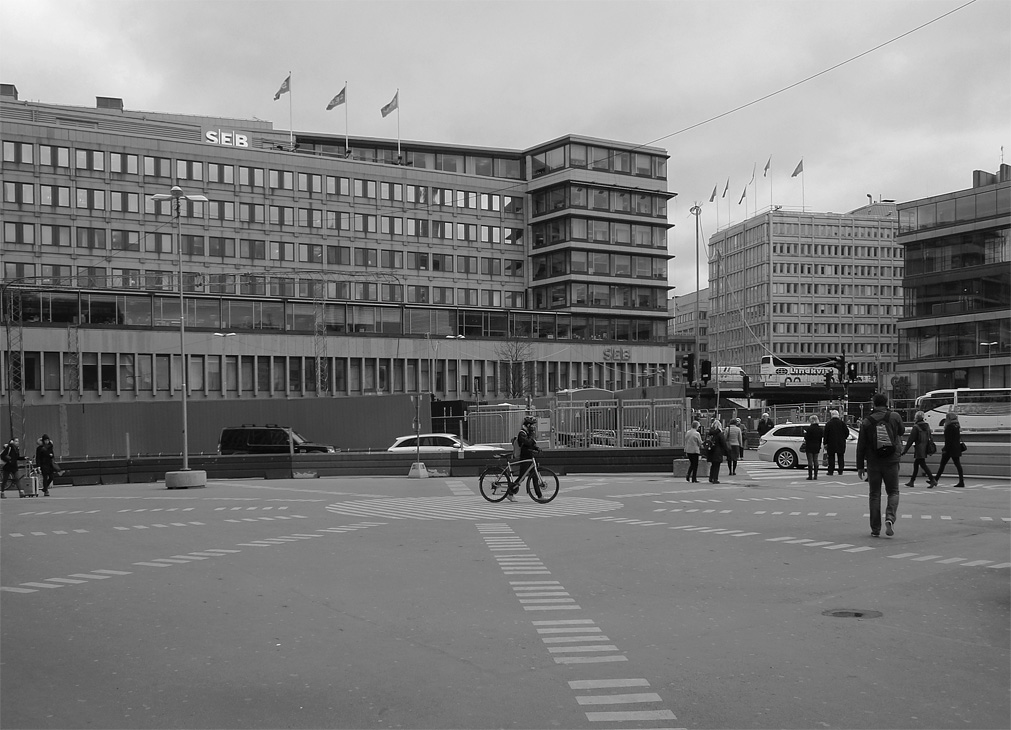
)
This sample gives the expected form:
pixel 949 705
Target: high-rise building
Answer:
pixel 807 287
pixel 957 246
pixel 373 267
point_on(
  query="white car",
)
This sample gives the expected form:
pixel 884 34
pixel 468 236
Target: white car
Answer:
pixel 437 443
pixel 783 445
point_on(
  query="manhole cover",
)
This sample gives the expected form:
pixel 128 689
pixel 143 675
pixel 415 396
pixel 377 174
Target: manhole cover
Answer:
pixel 851 613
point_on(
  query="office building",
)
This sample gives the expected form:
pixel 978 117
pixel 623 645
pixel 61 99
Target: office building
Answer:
pixel 321 268
pixel 956 332
pixel 807 286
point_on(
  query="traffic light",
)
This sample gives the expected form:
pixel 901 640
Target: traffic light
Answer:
pixel 840 365
pixel 706 371
pixel 851 371
pixel 828 380
pixel 746 384
pixel 688 367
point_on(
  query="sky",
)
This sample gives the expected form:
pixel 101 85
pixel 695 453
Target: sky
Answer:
pixel 873 103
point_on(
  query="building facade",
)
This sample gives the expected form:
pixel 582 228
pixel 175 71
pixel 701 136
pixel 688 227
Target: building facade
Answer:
pixel 956 332
pixel 807 285
pixel 320 269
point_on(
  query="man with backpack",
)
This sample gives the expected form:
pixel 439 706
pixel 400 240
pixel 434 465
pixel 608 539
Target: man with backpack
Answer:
pixel 878 451
pixel 524 447
pixel 10 455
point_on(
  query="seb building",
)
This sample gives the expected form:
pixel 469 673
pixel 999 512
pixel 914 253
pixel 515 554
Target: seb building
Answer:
pixel 311 268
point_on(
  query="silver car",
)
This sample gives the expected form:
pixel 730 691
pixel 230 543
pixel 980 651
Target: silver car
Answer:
pixel 784 443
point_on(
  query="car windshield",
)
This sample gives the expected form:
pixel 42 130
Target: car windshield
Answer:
pixel 298 438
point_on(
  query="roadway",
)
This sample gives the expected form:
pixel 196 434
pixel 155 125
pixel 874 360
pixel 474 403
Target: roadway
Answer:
pixel 632 601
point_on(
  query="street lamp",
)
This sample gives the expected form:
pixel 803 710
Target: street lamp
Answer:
pixel 989 365
pixel 184 478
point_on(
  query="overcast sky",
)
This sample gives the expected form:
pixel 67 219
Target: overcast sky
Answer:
pixel 911 119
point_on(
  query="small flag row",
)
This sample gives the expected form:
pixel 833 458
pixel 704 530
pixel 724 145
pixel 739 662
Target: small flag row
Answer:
pixel 341 98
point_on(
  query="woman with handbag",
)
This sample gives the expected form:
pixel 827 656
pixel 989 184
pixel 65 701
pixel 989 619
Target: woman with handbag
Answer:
pixel 952 449
pixel 919 437
pixel 813 436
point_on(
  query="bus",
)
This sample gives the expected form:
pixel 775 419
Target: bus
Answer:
pixel 977 408
pixel 792 371
pixel 730 377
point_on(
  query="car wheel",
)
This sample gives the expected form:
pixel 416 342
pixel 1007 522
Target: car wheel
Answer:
pixel 786 459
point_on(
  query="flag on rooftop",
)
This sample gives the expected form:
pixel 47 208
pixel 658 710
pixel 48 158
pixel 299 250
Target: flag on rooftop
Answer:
pixel 767 164
pixel 713 196
pixel 394 104
pixel 743 193
pixel 285 88
pixel 339 99
pixel 800 168
pixel 726 188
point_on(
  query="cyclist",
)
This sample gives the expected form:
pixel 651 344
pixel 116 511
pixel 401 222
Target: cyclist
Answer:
pixel 528 447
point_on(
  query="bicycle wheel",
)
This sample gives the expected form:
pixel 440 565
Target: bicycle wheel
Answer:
pixel 494 483
pixel 546 490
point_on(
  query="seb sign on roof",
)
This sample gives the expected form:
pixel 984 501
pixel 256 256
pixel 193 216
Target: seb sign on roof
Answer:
pixel 227 138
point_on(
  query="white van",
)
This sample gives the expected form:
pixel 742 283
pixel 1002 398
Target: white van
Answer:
pixel 731 377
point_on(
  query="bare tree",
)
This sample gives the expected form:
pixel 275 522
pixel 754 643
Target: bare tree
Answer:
pixel 516 377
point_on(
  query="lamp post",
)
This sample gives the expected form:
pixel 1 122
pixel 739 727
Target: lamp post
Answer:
pixel 989 363
pixel 184 478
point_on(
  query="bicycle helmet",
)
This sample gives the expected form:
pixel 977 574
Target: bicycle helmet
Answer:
pixel 529 421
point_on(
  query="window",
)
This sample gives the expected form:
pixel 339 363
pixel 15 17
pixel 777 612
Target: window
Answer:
pixel 218 173
pixel 251 249
pixel 281 179
pixel 188 170
pixel 467 297
pixel 391 259
pixel 311 253
pixel 221 247
pixel 19 233
pixel 365 223
pixel 221 210
pixel 54 195
pixel 281 251
pixel 91 238
pixel 157 167
pixel 391 226
pixel 251 177
pixel 391 292
pixel 251 212
pixel 125 241
pixel 55 235
pixel 22 152
pixel 15 192
pixel 391 191
pixel 338 185
pixel 417 294
pixel 58 156
pixel 90 160
pixel 125 202
pixel 365 189
pixel 366 257
pixel 90 199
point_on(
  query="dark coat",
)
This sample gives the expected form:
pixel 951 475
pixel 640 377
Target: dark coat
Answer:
pixel 836 433
pixel 919 435
pixel 866 456
pixel 13 454
pixel 527 443
pixel 812 438
pixel 952 439
pixel 44 456
pixel 719 449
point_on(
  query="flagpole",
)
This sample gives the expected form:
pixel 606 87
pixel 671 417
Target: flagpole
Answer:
pixel 347 144
pixel 291 124
pixel 399 158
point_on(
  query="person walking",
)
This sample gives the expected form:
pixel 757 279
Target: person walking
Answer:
pixel 878 461
pixel 46 462
pixel 765 424
pixel 735 444
pixel 952 449
pixel 693 447
pixel 528 447
pixel 836 434
pixel 717 451
pixel 919 438
pixel 10 455
pixel 813 436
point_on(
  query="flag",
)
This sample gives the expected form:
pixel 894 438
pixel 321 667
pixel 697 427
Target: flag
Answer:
pixel 339 99
pixel 394 104
pixel 713 196
pixel 800 168
pixel 754 169
pixel 726 188
pixel 743 193
pixel 285 88
pixel 767 164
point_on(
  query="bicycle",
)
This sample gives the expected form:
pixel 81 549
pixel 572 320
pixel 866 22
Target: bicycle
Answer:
pixel 496 481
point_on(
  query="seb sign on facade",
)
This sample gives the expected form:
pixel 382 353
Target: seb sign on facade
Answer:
pixel 227 138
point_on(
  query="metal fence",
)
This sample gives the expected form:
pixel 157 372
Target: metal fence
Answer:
pixel 646 423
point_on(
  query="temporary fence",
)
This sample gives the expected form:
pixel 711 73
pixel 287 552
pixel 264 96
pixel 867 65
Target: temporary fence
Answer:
pixel 644 423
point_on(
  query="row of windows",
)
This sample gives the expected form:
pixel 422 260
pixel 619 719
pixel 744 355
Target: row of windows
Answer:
pixel 951 253
pixel 28 233
pixel 832 348
pixel 293 375
pixel 603 159
pixel 807 250
pixel 965 208
pixel 597 263
pixel 610 200
pixel 614 233
pixel 955 339
pixel 823 328
pixel 805 308
pixel 579 294
pixel 482 165
pixel 256 177
pixel 837 270
pixel 844 229
pixel 947 298
pixel 845 290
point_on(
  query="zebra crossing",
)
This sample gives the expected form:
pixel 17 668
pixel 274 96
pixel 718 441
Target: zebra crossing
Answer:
pixel 571 639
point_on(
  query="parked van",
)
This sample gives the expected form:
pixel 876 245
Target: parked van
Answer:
pixel 269 439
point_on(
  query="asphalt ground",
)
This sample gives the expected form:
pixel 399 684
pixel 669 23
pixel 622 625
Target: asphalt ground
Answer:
pixel 631 601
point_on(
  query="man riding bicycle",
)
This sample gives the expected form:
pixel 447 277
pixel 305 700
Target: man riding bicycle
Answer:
pixel 528 447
